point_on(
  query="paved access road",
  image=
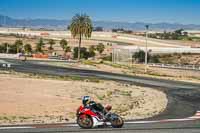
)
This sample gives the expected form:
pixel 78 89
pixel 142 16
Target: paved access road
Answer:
pixel 184 100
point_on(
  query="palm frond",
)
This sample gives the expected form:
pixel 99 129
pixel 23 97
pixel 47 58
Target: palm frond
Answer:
pixel 81 25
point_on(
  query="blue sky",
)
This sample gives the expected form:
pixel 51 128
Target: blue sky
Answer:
pixel 174 11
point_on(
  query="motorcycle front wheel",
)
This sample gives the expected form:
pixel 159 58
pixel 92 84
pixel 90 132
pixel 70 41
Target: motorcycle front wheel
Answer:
pixel 85 121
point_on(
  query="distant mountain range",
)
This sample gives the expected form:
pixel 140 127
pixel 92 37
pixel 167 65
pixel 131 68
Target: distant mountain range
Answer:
pixel 63 24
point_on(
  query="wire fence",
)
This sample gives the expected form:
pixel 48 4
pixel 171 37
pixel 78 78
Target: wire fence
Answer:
pixel 176 66
pixel 124 54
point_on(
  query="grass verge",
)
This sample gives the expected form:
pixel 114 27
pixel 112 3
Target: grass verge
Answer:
pixel 45 76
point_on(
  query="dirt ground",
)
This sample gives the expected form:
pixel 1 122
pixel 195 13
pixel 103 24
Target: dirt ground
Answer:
pixel 187 59
pixel 135 69
pixel 161 73
pixel 30 100
pixel 71 42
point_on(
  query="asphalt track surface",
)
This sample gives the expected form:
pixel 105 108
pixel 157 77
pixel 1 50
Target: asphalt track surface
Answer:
pixel 184 101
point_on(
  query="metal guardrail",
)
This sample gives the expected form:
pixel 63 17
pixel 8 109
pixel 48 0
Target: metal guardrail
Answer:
pixel 176 66
pixel 5 66
pixel 14 56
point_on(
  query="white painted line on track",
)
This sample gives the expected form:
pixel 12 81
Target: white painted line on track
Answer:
pixel 176 120
pixel 160 121
pixel 1 128
pixel 140 122
pixel 195 117
pixel 71 125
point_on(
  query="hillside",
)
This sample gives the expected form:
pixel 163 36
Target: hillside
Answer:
pixel 62 24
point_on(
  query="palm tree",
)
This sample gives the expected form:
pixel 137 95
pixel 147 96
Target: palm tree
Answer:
pixel 27 48
pixel 40 45
pixel 51 43
pixel 19 45
pixel 80 26
pixel 64 46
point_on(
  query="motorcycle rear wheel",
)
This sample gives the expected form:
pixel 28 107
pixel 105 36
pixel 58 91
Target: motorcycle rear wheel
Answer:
pixel 117 123
pixel 85 122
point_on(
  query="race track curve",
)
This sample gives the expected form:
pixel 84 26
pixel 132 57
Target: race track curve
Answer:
pixel 184 102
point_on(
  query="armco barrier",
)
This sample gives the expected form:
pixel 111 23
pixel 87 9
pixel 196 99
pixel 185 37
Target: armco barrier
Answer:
pixel 6 65
pixel 9 55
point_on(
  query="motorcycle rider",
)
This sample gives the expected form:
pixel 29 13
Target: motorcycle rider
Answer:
pixel 88 103
pixel 96 107
pixel 92 114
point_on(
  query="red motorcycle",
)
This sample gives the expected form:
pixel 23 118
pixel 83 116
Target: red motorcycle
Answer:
pixel 88 118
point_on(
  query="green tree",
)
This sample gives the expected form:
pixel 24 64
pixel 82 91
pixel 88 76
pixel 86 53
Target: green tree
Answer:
pixel 19 45
pixel 67 49
pixel 100 48
pixel 27 48
pixel 140 56
pixel 92 51
pixel 51 43
pixel 166 35
pixel 40 45
pixel 174 36
pixel 3 47
pixel 12 49
pixel 64 46
pixel 92 48
pixel 84 53
pixel 179 31
pixel 80 26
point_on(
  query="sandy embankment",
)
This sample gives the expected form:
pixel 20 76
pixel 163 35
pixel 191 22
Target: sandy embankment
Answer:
pixel 28 100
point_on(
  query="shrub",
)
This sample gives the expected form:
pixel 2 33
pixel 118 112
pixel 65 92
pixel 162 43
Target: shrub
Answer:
pixel 154 59
pixel 92 51
pixel 100 48
pixel 64 46
pixel 108 58
pixel 13 49
pixel 3 48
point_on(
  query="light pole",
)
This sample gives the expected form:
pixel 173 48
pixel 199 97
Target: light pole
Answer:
pixel 146 51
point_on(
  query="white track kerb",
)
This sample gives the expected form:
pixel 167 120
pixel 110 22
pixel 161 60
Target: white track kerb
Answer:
pixel 17 127
pixel 195 117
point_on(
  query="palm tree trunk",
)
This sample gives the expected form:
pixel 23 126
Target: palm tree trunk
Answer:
pixel 79 48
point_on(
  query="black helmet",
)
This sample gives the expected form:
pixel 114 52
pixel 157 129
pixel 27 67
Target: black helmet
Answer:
pixel 86 100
